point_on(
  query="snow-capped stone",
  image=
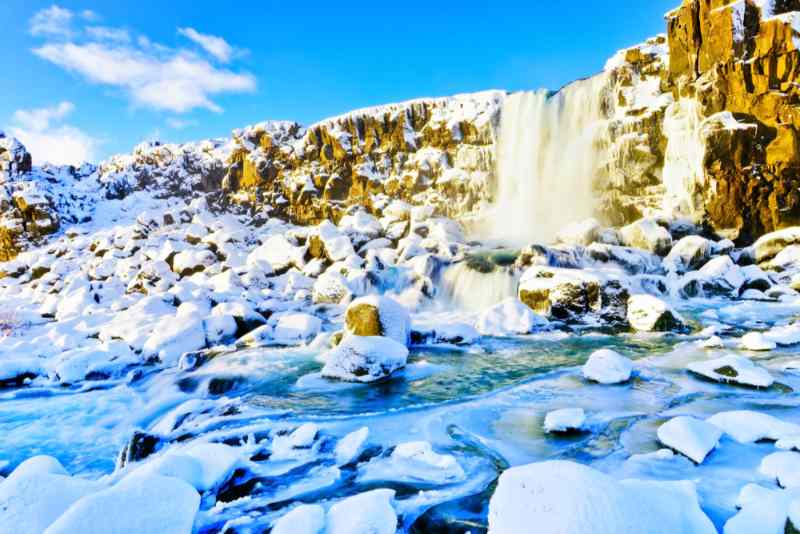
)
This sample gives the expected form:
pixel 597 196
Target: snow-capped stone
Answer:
pixel 277 253
pixel 719 277
pixel 371 512
pixel 449 333
pixel 203 465
pixel 336 246
pixel 783 466
pixel 350 447
pixel 219 328
pixel 36 493
pixel 562 497
pixel 647 313
pixel 303 519
pixel 581 233
pixel 691 437
pixel 746 426
pixel 295 328
pixel 331 288
pixel 508 318
pixel 646 234
pixel 560 293
pixel 151 503
pixel 378 316
pixel 714 342
pixel 784 335
pixel 769 245
pixel 364 359
pixel 414 461
pixel 762 510
pixel 688 253
pixel 565 420
pixel 607 367
pixel 191 261
pixel 362 223
pixel 733 369
pixel 173 336
pixel 756 341
pixel 101 360
pixel 17 370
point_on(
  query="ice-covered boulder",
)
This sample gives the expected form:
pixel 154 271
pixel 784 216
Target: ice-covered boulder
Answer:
pixel 581 233
pixel 174 335
pixel 560 497
pixel 606 366
pixel 746 426
pixel 647 313
pixel 565 420
pixel 190 261
pixel 295 328
pixel 688 253
pixel 378 316
pixel 719 277
pixel 371 512
pixel 277 253
pixel 350 447
pixel 303 519
pixel 689 436
pixel 756 341
pixel 508 318
pixel 445 333
pixel 733 369
pixel 364 359
pixel 36 493
pixel 783 466
pixel 647 234
pixel 413 462
pixel 769 245
pixel 331 288
pixel 764 510
pixel 99 360
pixel 147 503
pixel 329 242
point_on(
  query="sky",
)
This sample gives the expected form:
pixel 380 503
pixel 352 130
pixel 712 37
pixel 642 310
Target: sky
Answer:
pixel 87 79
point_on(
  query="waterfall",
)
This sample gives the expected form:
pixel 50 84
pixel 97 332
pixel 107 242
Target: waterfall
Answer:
pixel 683 161
pixel 473 290
pixel 549 153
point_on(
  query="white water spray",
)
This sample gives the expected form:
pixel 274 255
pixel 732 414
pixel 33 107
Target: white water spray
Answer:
pixel 550 150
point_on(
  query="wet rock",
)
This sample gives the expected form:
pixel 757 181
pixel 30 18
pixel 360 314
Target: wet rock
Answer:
pixel 140 446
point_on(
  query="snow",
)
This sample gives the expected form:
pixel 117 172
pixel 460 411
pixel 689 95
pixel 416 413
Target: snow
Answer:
pixel 366 513
pixel 756 341
pixel 783 466
pixel 147 503
pixel 304 519
pixel 351 446
pixel 364 359
pixel 762 510
pixel 647 313
pixel 565 420
pixel 691 437
pixel 733 369
pixel 276 253
pixel 173 336
pixel 394 319
pixel 413 462
pixel 749 427
pixel 607 367
pixel 561 497
pixel 296 328
pixel 508 318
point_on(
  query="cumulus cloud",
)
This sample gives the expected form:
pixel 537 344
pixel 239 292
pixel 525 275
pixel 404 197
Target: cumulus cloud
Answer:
pixel 152 75
pixel 49 140
pixel 52 21
pixel 216 46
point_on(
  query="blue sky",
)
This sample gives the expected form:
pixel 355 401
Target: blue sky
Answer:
pixel 94 78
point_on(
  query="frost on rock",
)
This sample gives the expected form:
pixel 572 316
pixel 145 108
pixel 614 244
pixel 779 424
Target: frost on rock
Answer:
pixel 749 427
pixel 509 318
pixel 607 367
pixel 562 497
pixel 364 359
pixel 565 420
pixel 691 437
pixel 733 369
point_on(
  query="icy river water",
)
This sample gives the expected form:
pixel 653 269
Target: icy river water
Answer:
pixel 484 404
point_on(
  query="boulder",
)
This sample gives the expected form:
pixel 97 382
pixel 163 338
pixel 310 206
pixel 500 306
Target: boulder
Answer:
pixel 378 316
pixel 691 437
pixel 371 512
pixel 769 245
pixel 565 420
pixel 647 313
pixel 688 254
pixel 607 367
pixel 734 370
pixel 648 235
pixel 364 359
pixel 509 318
pixel 563 294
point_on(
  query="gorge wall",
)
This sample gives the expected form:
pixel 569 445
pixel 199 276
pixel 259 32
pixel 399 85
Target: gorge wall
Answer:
pixel 699 123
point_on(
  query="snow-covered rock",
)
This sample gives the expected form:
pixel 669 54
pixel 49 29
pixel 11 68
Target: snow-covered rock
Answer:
pixel 762 510
pixel 648 235
pixel 414 462
pixel 647 313
pixel 688 253
pixel 277 253
pixel 378 316
pixel 691 437
pixel 190 261
pixel 607 367
pixel 566 294
pixel 560 497
pixel 565 420
pixel 371 512
pixel 295 328
pixel 303 519
pixel 351 446
pixel 733 369
pixel 747 426
pixel 756 341
pixel 364 359
pixel 508 318
pixel 783 466
pixel 173 336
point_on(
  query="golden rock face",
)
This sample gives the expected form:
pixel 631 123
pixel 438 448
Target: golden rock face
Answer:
pixel 736 58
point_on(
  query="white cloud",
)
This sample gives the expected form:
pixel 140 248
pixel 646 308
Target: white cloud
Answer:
pixel 52 21
pixel 42 133
pixel 151 74
pixel 106 33
pixel 216 46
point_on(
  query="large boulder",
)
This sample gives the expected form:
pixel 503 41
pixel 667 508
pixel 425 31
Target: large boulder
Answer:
pixel 647 313
pixel 378 316
pixel 769 245
pixel 364 359
pixel 648 235
pixel 689 253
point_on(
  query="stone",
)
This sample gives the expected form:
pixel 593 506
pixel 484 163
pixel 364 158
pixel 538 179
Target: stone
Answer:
pixel 378 316
pixel 648 235
pixel 647 313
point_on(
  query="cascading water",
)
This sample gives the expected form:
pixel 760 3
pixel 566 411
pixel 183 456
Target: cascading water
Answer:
pixel 475 290
pixel 550 150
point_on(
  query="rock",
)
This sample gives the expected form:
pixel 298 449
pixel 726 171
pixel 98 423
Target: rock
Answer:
pixel 446 333
pixel 647 313
pixel 378 316
pixel 350 447
pixel 607 367
pixel 719 277
pixel 756 341
pixel 563 294
pixel 646 234
pixel 749 427
pixel 769 245
pixel 277 254
pixel 331 288
pixel 295 328
pixel 303 519
pixel 763 510
pixel 733 369
pixel 188 262
pixel 688 254
pixel 413 462
pixel 581 233
pixel 509 318
pixel 784 467
pixel 691 437
pixel 366 513
pixel 364 359
pixel 170 506
pixel 174 336
pixel 565 420
pixel 565 497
